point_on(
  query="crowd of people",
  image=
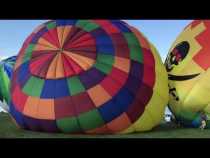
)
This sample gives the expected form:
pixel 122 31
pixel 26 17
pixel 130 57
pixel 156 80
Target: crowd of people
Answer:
pixel 203 120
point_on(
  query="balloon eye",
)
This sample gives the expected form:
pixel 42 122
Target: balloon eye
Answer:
pixel 181 50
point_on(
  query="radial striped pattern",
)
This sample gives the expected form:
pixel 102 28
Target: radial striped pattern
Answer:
pixel 82 76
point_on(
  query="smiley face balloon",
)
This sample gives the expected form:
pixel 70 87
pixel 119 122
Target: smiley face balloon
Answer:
pixel 188 67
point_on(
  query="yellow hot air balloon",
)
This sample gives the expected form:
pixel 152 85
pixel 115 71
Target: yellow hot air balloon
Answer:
pixel 188 70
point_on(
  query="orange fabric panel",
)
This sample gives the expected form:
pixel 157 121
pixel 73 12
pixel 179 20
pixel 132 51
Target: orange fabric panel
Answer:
pixel 18 61
pixel 120 123
pixel 122 64
pixel 46 43
pixel 59 68
pixel 66 31
pixel 42 47
pixel 51 73
pixel 31 107
pixel 46 109
pixel 100 130
pixel 60 30
pixel 98 95
pixel 83 62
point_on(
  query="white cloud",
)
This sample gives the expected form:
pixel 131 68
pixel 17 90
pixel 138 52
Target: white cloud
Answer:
pixel 3 57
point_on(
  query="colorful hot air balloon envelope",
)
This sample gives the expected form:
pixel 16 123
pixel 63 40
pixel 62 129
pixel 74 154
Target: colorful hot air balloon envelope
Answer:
pixel 188 65
pixel 88 76
pixel 6 70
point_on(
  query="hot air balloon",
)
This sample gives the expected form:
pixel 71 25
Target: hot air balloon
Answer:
pixel 188 65
pixel 6 70
pixel 90 77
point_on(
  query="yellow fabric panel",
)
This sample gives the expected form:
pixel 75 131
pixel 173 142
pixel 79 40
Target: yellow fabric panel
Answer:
pixel 183 88
pixel 198 97
pixel 192 68
pixel 188 35
pixel 154 111
pixel 207 109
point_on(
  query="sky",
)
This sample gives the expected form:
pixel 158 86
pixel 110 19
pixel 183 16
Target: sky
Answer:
pixel 162 33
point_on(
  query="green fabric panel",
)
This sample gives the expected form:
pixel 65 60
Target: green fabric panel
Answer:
pixel 75 86
pixel 1 86
pixel 103 67
pixel 28 52
pixel 104 58
pixel 7 88
pixel 5 84
pixel 134 46
pixel 51 25
pixel 207 124
pixel 1 94
pixel 188 115
pixel 90 120
pixel 68 124
pixel 33 87
pixel 87 25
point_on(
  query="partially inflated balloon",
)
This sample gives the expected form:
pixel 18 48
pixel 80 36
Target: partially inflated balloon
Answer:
pixel 6 70
pixel 88 76
pixel 188 64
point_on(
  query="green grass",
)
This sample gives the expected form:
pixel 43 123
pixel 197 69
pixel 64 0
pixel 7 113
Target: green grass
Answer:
pixel 166 130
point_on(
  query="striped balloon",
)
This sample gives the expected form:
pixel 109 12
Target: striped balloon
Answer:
pixel 6 70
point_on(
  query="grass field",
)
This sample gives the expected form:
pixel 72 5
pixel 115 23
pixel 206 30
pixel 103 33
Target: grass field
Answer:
pixel 165 130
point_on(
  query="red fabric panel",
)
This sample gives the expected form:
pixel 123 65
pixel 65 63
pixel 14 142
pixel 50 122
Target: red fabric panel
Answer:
pixel 82 103
pixel 148 58
pixel 111 86
pixel 19 98
pixel 47 36
pixel 86 39
pixel 107 26
pixel 120 45
pixel 135 110
pixel 75 33
pixel 75 67
pixel 38 63
pixel 144 94
pixel 91 55
pixel 54 35
pixel 149 76
pixel 202 58
pixel 67 67
pixel 64 107
pixel 118 75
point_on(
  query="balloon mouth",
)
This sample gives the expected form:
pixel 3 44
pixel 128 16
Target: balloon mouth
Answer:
pixel 182 78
